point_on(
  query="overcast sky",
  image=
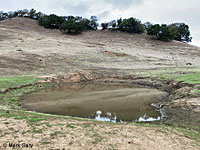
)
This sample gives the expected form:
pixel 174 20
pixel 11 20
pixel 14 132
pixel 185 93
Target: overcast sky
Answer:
pixel 155 11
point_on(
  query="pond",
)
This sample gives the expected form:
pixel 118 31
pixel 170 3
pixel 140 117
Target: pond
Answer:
pixel 104 102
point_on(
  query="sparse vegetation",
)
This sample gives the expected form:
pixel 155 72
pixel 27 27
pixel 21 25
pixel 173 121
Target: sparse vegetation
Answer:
pixel 33 14
pixel 36 119
pixel 193 78
pixel 6 123
pixel 70 125
pixel 15 89
pixel 47 131
pixel 55 133
pixel 76 25
pixel 10 82
pixel 39 131
pixel 197 91
pixel 45 142
pixel 189 78
pixel 86 125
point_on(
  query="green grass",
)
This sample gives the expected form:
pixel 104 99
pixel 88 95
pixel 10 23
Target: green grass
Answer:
pixel 70 126
pixel 189 76
pixel 86 125
pixel 55 133
pixel 20 117
pixel 194 135
pixel 45 142
pixel 193 78
pixel 97 138
pixel 11 99
pixel 7 115
pixel 95 134
pixel 6 123
pixel 37 131
pixel 197 91
pixel 35 119
pixel 190 133
pixel 32 119
pixel 11 82
pixel 48 125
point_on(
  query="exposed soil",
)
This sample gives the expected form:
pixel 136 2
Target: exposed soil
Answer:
pixel 28 49
pixel 94 136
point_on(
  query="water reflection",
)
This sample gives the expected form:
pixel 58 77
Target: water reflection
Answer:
pixel 108 117
pixel 146 118
pixel 104 102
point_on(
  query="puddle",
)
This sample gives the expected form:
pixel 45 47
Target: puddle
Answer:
pixel 104 102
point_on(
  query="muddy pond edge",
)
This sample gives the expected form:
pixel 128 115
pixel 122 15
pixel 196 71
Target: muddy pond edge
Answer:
pixel 28 84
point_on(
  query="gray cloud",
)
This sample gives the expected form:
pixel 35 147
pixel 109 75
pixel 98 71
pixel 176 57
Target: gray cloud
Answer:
pixel 70 7
pixel 9 5
pixel 103 15
pixel 123 4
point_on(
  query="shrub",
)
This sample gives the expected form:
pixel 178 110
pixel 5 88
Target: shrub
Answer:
pixel 177 31
pixel 131 25
pixel 32 13
pixel 52 21
pixel 93 22
pixel 85 23
pixel 162 32
pixel 72 25
pixel 147 25
pixel 3 15
pixel 39 15
pixel 165 34
pixel 112 24
pixel 104 26
pixel 180 32
pixel 119 21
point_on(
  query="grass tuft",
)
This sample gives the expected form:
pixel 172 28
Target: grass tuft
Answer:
pixel 70 125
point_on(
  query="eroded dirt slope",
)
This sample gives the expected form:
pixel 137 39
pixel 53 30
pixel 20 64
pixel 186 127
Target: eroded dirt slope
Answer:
pixel 27 48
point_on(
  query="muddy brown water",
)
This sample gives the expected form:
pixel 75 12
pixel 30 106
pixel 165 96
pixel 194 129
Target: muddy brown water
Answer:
pixel 105 102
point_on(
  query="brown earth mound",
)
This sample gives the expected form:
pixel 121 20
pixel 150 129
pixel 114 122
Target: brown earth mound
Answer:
pixel 21 23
